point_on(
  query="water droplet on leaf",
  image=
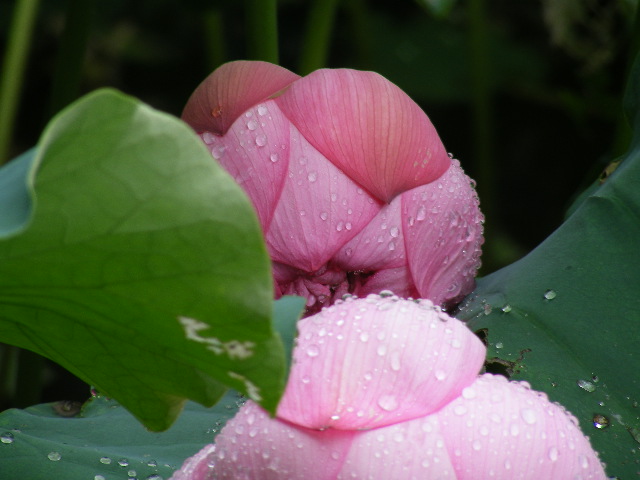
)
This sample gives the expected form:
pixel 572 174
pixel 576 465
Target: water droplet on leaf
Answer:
pixel 549 294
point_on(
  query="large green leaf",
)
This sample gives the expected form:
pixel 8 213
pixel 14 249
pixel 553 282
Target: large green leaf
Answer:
pixel 142 269
pixel 566 317
pixel 42 443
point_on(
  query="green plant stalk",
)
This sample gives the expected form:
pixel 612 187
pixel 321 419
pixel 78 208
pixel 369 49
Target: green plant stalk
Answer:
pixel 262 30
pixel 361 32
pixel 11 82
pixel 623 130
pixel 71 54
pixel 482 112
pixel 318 35
pixel 214 39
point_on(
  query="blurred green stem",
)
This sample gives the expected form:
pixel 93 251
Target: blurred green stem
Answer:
pixel 262 30
pixel 482 111
pixel 623 130
pixel 361 32
pixel 215 45
pixel 13 69
pixel 318 35
pixel 70 58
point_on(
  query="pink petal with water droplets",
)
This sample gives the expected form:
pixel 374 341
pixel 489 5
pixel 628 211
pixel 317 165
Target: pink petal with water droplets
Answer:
pixel 409 450
pixel 378 245
pixel 508 429
pixel 442 226
pixel 254 446
pixel 196 467
pixel 368 128
pixel 319 211
pixel 355 364
pixel 230 90
pixel 255 151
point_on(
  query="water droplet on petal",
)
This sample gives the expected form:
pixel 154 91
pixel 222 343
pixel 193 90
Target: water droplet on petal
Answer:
pixel 312 177
pixel 528 416
pixel 553 454
pixel 252 125
pixel 273 157
pixel 440 375
pixel 261 140
pixel 324 215
pixel 313 351
pixel 421 214
pixel 262 110
pixel 394 232
pixel 388 403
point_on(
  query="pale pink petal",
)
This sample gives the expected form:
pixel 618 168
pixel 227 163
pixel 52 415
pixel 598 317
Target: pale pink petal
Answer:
pixel 378 245
pixel 411 450
pixel 442 226
pixel 368 128
pixel 321 209
pixel 255 151
pixel 398 280
pixel 195 467
pixel 501 429
pixel 230 90
pixel 372 362
pixel 254 446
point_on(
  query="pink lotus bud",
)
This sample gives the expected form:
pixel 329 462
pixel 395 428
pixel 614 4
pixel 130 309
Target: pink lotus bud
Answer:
pixel 385 388
pixel 351 183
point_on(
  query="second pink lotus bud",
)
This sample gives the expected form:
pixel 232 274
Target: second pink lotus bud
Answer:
pixel 352 186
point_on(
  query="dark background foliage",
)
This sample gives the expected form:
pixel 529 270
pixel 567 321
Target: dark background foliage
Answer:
pixel 526 94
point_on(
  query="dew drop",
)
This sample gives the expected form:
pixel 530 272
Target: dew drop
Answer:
pixel 549 294
pixel 506 308
pixel 208 138
pixel 394 232
pixel 392 246
pixel 499 345
pixel 152 463
pixel 476 445
pixel 54 456
pixel 261 140
pixel 395 361
pixel 262 110
pixel 123 462
pixel 586 385
pixel 388 403
pixel 382 350
pixel 440 375
pixel 154 476
pixel 460 410
pixel 324 215
pixel 252 125
pixel 600 421
pixel 421 214
pixel 98 477
pixel 528 416
pixel 553 454
pixel 312 177
pixel 105 460
pixel 364 336
pixel 6 437
pixel 313 351
pixel 468 393
pixel 273 157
